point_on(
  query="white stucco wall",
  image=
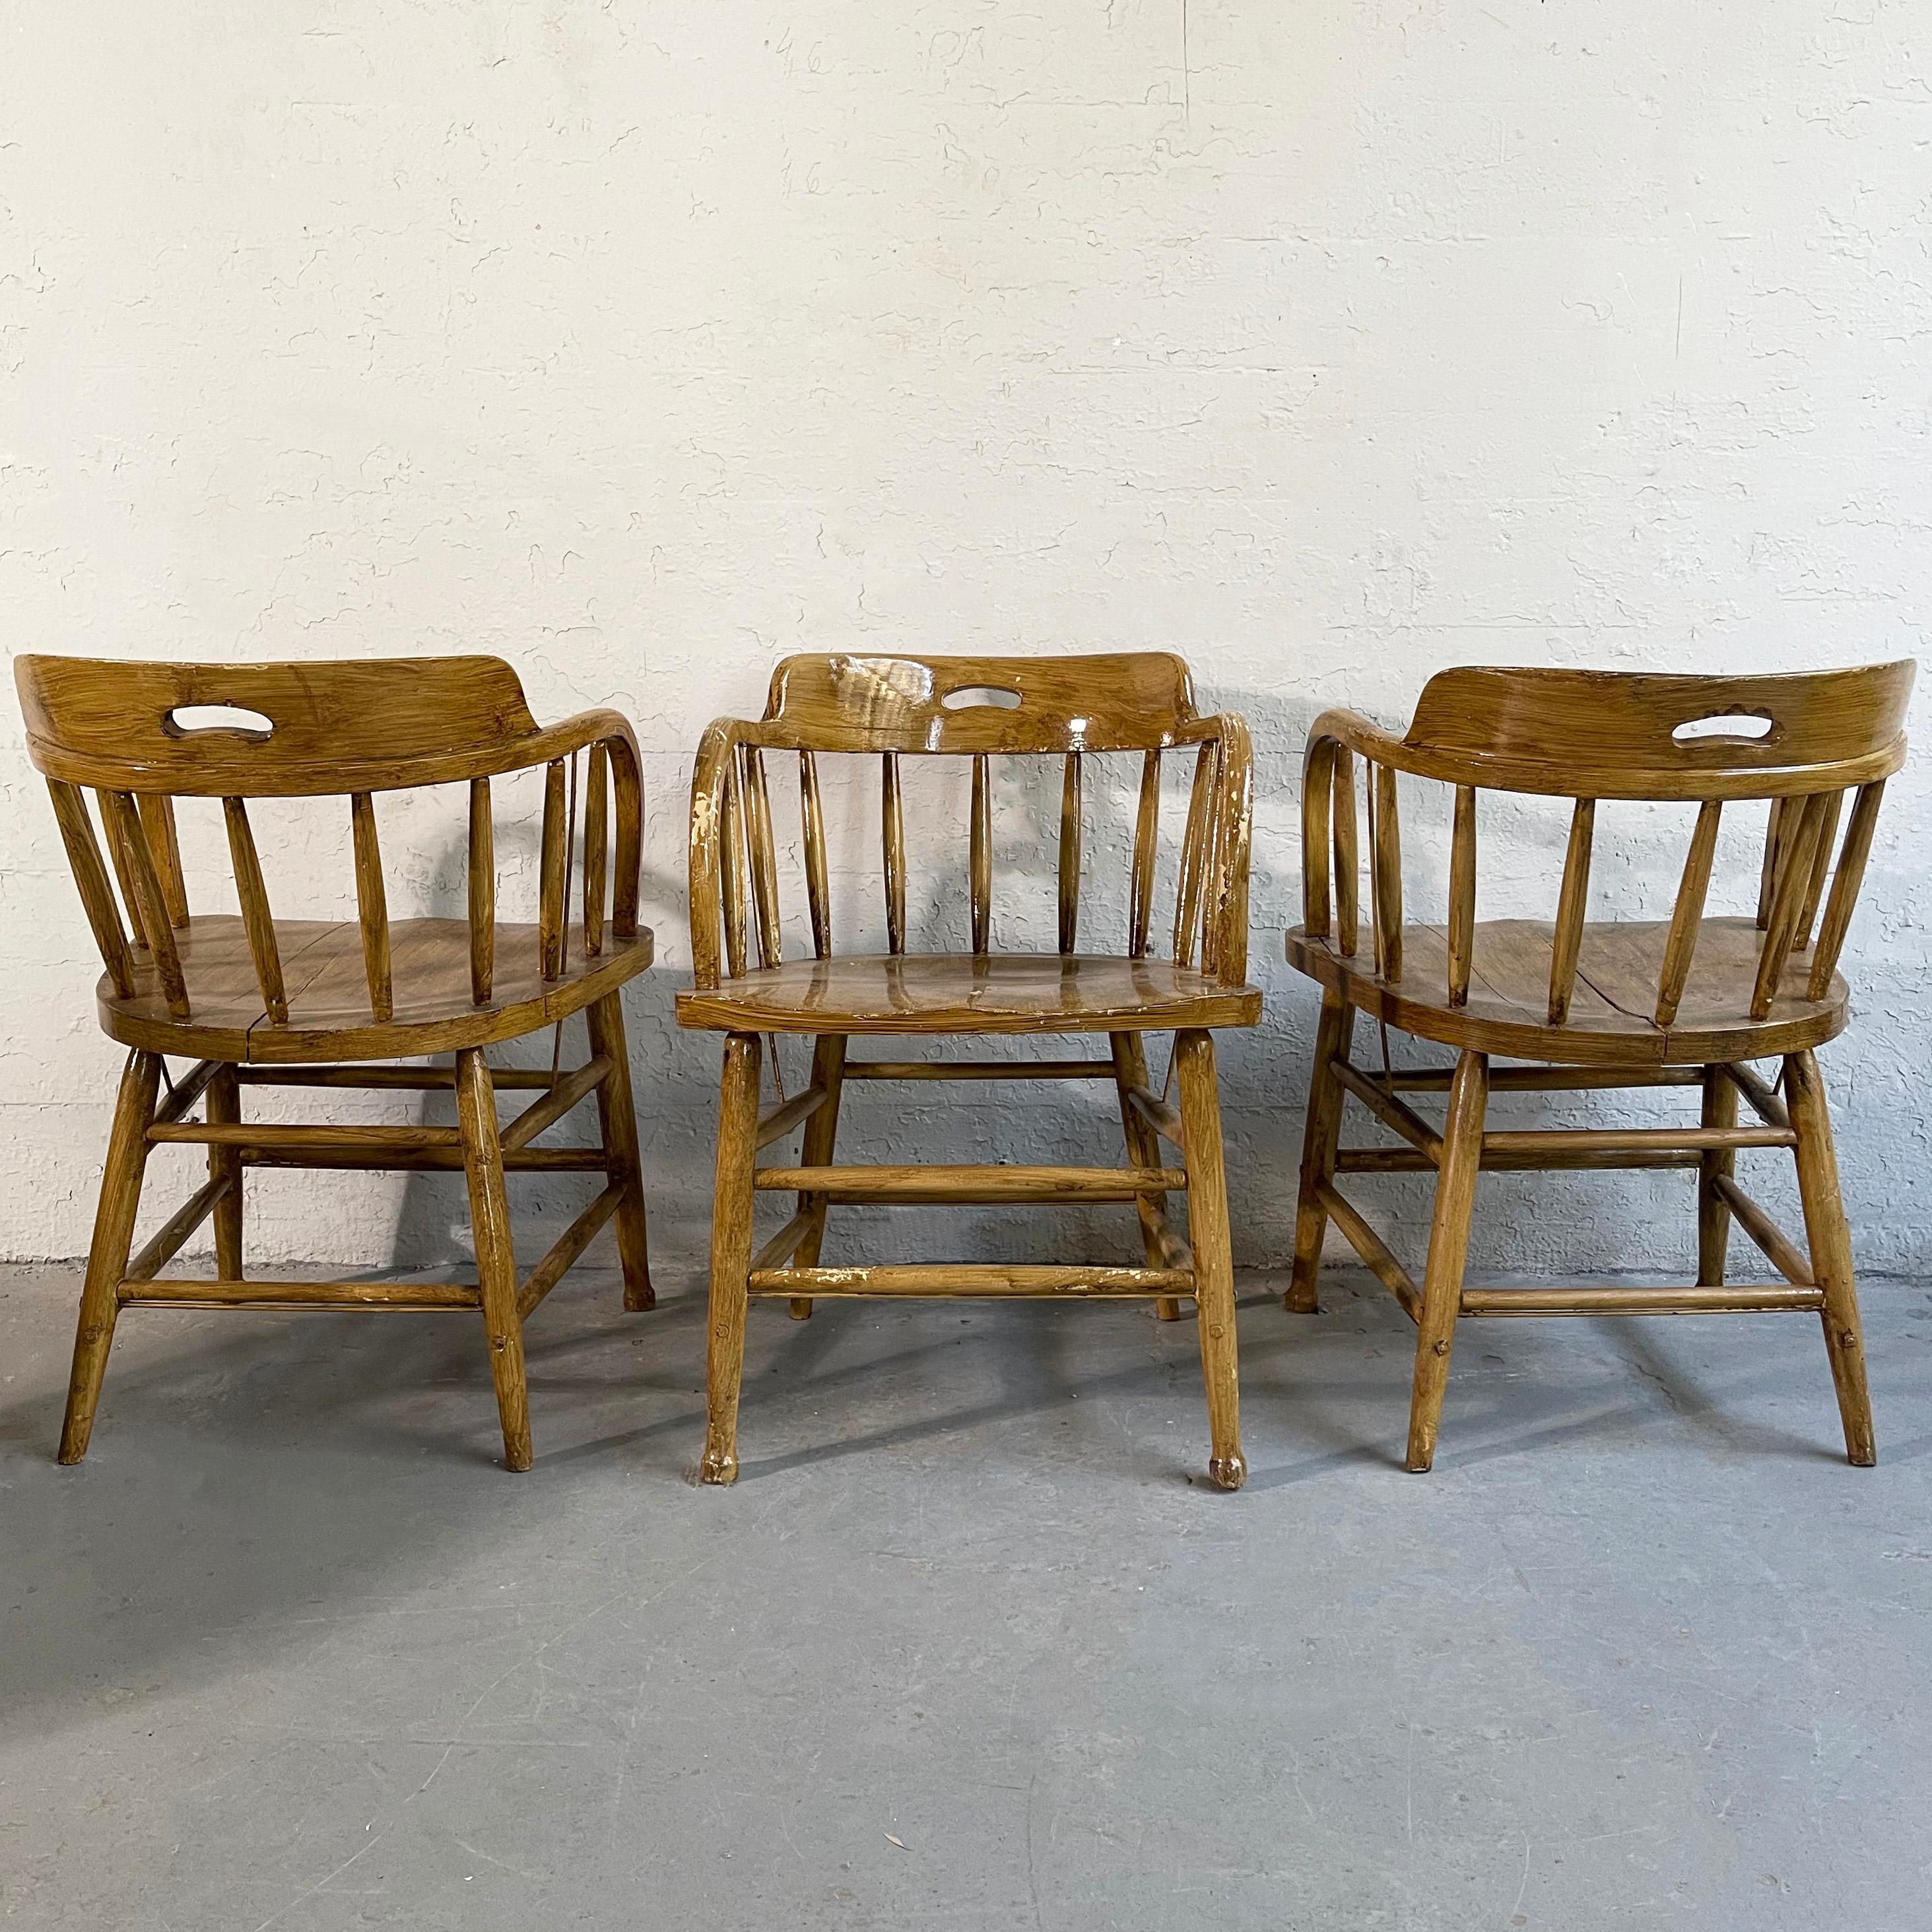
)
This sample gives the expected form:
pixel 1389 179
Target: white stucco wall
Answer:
pixel 1327 343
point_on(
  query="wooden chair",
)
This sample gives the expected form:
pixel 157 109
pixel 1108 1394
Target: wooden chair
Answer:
pixel 892 708
pixel 261 1000
pixel 1687 1002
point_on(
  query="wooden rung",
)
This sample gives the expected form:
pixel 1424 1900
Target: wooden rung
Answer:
pixel 570 1089
pixel 969 1185
pixel 1158 1115
pixel 300 1294
pixel 783 1119
pixel 1408 1160
pixel 1542 1079
pixel 1398 1118
pixel 343 1139
pixel 970 1278
pixel 424 1160
pixel 1636 1140
pixel 168 1242
pixel 1762 1098
pixel 186 1092
pixel 566 1249
pixel 786 1242
pixel 1765 1297
pixel 978 1069
pixel 412 1079
pixel 1781 1253
pixel 1373 1250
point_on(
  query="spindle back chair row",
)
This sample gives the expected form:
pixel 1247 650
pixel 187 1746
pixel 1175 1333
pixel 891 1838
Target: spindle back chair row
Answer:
pixel 893 709
pixel 264 1000
pixel 1688 1001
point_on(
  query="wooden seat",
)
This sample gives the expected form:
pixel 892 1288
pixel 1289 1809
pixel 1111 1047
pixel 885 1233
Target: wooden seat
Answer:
pixel 998 993
pixel 323 970
pixel 1612 1020
pixel 899 710
pixel 255 1000
pixel 1690 1001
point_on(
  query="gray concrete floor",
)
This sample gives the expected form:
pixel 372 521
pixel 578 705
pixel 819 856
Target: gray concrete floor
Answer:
pixel 971 1643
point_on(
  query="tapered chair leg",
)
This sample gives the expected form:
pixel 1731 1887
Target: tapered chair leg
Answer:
pixel 1143 1151
pixel 1714 1213
pixel 1448 1248
pixel 495 1256
pixel 1213 1255
pixel 1333 1034
pixel 224 1109
pixel 1830 1240
pixel 618 1126
pixel 731 1204
pixel 821 1136
pixel 107 1253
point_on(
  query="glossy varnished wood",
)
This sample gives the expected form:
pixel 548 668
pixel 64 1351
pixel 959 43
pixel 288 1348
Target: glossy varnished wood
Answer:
pixel 264 994
pixel 1691 999
pixel 894 712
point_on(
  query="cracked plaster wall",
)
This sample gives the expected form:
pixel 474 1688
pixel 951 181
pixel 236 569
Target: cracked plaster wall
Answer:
pixel 1327 344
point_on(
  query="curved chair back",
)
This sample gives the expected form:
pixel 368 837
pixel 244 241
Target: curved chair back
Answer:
pixel 892 707
pixel 1804 741
pixel 141 735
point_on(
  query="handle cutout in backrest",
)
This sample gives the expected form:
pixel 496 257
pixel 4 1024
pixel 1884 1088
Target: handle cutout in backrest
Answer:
pixel 980 697
pixel 187 721
pixel 1735 727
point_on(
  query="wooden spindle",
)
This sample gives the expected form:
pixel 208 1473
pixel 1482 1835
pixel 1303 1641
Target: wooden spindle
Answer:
pixel 818 884
pixel 1687 915
pixel 1774 830
pixel 732 887
pixel 627 807
pixel 1385 871
pixel 1794 875
pixel 157 811
pixel 1194 859
pixel 1347 857
pixel 1572 903
pixel 90 875
pixel 372 905
pixel 1845 889
pixel 981 862
pixel 552 863
pixel 596 847
pixel 121 854
pixel 893 815
pixel 257 921
pixel 1070 803
pixel 764 858
pixel 1146 858
pixel 123 822
pixel 482 893
pixel 1316 793
pixel 1462 895
pixel 1821 868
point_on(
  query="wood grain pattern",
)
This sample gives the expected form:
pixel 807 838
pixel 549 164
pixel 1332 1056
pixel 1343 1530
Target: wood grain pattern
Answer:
pixel 894 709
pixel 1601 1003
pixel 301 1001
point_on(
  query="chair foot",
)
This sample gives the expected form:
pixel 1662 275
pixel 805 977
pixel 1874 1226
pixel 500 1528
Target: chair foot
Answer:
pixel 1167 1308
pixel 731 1203
pixel 719 1468
pixel 1228 1472
pixel 799 1307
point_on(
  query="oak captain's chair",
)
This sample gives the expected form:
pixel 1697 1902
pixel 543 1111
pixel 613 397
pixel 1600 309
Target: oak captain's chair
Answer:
pixel 1690 1001
pixel 892 712
pixel 264 1000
